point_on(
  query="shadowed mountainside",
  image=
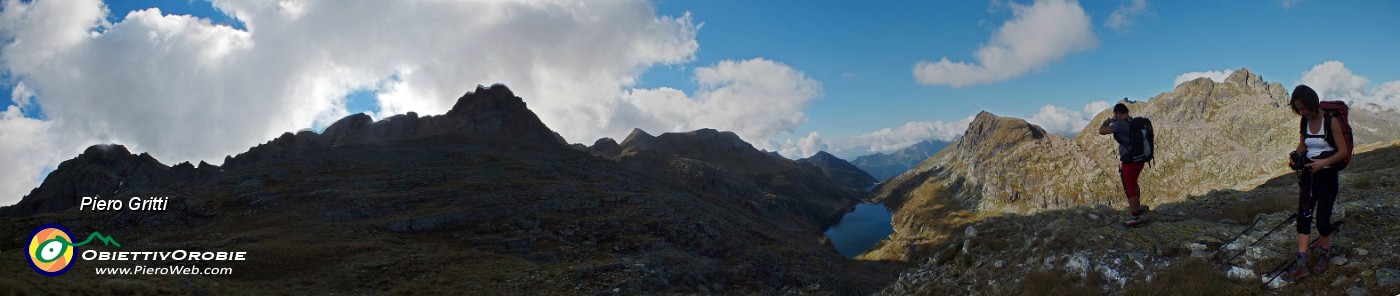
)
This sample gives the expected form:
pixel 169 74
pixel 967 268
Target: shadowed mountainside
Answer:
pixel 482 199
pixel 842 173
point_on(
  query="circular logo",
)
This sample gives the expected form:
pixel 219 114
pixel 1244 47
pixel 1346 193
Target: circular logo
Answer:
pixel 51 250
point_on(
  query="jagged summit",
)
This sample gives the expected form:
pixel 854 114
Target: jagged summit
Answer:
pixel 493 112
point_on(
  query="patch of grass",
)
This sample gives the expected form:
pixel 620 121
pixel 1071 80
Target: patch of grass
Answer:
pixel 1362 182
pixel 1245 211
pixel 1055 282
pixel 1190 277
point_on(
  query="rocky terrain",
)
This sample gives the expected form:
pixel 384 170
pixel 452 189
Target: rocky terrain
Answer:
pixel 1202 245
pixel 840 171
pixel 484 199
pixel 884 166
pixel 1210 136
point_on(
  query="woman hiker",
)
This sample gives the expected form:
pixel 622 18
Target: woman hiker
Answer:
pixel 1319 186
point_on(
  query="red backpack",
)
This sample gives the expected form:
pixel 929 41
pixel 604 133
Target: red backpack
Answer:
pixel 1338 110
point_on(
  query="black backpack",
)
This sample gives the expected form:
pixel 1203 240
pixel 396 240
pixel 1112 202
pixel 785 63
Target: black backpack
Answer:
pixel 1141 143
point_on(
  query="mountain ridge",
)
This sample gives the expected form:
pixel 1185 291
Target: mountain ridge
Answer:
pixel 485 186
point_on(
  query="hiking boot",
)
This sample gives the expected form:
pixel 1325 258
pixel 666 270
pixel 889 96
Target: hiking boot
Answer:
pixel 1322 261
pixel 1135 221
pixel 1142 209
pixel 1297 271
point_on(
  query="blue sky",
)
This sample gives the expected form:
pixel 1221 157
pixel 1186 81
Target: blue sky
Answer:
pixel 198 80
pixel 862 52
pixel 879 44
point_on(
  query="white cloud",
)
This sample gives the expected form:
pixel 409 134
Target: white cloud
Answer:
pixel 758 99
pixel 1217 76
pixel 1093 108
pixel 1122 18
pixel 800 147
pixel 1333 81
pixel 1289 3
pixel 1038 34
pixel 891 139
pixel 185 89
pixel 29 149
pixel 1064 121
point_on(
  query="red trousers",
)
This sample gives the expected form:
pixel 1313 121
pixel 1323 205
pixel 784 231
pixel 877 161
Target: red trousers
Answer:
pixel 1130 172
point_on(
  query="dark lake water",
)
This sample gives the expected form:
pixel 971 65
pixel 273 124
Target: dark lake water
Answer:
pixel 860 229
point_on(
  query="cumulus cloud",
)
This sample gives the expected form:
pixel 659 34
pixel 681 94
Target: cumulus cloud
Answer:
pixel 801 147
pixel 1333 81
pixel 1064 121
pixel 1037 34
pixel 1122 18
pixel 29 148
pixel 185 89
pixel 1217 76
pixel 757 99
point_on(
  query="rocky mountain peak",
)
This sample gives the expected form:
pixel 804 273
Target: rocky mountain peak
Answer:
pixel 840 171
pixel 639 139
pixel 486 100
pixel 105 152
pixel 497 109
pixel 1244 77
pixel 493 113
pixel 989 132
pixel 823 156
pixel 101 171
pixel 605 147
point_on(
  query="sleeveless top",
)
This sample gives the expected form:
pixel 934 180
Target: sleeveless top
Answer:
pixel 1316 145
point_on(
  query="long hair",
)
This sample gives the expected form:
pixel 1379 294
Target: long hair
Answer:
pixel 1305 95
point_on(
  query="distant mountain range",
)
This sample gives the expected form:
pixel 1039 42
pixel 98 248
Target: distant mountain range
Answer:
pixel 1211 136
pixel 884 166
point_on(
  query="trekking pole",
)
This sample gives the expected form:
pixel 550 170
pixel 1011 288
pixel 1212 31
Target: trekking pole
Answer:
pixel 1261 238
pixel 1238 236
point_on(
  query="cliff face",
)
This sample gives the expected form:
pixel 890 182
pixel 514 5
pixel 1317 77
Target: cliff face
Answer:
pixel 1210 136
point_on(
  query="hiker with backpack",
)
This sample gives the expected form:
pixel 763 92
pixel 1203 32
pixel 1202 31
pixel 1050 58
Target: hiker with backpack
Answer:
pixel 1135 141
pixel 1323 151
